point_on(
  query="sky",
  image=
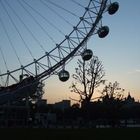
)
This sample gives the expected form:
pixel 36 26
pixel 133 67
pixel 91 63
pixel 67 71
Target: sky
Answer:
pixel 119 51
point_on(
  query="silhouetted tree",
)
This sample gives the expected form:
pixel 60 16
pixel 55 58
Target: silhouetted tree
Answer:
pixel 112 98
pixel 112 91
pixel 89 75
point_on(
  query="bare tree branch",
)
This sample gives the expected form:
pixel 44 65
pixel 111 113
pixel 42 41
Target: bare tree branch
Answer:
pixel 113 91
pixel 89 75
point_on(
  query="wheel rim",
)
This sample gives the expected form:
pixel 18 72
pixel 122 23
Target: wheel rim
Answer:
pixel 77 44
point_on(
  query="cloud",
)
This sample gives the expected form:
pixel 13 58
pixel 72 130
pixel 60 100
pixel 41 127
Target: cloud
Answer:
pixel 134 72
pixel 138 70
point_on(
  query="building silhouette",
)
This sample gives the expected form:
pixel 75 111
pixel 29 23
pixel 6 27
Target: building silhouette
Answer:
pixel 107 112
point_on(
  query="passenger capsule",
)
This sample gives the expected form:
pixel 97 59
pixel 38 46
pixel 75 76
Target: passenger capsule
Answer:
pixel 63 75
pixel 113 8
pixel 87 54
pixel 103 31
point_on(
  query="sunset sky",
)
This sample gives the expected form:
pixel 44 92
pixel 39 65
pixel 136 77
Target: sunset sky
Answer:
pixel 119 51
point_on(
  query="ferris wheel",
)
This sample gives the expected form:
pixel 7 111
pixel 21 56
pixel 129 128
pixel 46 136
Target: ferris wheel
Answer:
pixel 39 37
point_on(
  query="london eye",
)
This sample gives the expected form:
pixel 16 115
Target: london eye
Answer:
pixel 40 37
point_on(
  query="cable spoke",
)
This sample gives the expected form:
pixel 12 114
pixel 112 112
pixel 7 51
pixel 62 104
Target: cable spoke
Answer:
pixel 31 24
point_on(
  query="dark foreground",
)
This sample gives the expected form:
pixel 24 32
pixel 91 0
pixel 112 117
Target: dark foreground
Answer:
pixel 72 134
